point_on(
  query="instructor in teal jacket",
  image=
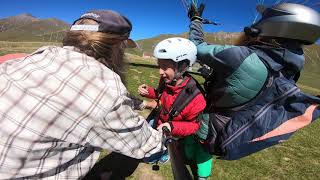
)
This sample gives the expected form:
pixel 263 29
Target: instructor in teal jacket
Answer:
pixel 252 86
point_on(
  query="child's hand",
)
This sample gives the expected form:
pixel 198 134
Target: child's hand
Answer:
pixel 143 90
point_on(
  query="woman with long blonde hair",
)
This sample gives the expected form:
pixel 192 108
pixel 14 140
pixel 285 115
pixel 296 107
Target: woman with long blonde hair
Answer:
pixel 60 106
pixel 253 99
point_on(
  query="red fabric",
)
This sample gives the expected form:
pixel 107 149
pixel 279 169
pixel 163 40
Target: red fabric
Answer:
pixel 11 56
pixel 152 93
pixel 185 123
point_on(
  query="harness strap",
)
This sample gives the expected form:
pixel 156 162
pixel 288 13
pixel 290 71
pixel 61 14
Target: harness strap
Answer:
pixel 187 94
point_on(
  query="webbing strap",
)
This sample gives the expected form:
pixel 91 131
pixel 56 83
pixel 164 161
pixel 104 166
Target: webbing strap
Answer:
pixel 187 94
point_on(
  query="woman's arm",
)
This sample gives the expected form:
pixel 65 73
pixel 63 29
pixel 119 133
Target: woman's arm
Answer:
pixel 123 130
pixel 206 53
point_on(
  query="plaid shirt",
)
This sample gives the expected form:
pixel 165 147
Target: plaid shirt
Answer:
pixel 58 109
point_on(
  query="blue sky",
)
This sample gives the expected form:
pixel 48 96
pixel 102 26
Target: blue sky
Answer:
pixel 149 17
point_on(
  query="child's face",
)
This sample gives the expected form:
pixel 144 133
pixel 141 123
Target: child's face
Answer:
pixel 166 70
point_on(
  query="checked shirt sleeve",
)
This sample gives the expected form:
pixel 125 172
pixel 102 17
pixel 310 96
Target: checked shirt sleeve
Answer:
pixel 123 130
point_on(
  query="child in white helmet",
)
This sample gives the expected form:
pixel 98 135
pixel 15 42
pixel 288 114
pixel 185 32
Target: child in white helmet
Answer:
pixel 174 57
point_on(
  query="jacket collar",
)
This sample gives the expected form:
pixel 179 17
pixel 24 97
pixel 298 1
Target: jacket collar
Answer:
pixel 179 87
pixel 281 58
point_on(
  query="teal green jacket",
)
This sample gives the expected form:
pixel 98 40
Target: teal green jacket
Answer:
pixel 238 73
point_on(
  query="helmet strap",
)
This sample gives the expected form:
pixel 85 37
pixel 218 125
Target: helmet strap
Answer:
pixel 251 31
pixel 179 72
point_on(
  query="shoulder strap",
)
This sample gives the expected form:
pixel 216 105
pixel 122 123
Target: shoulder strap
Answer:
pixel 187 94
pixel 160 88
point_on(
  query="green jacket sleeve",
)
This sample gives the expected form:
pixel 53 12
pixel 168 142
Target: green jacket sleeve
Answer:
pixel 206 53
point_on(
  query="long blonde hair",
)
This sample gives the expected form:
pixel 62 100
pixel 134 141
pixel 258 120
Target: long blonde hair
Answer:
pixel 245 40
pixel 104 47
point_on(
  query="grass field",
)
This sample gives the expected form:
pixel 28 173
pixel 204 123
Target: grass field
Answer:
pixel 298 158
pixel 22 47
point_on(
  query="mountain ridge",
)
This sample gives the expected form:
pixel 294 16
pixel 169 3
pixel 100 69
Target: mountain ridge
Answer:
pixel 26 27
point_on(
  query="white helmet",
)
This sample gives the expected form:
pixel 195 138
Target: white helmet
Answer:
pixel 177 49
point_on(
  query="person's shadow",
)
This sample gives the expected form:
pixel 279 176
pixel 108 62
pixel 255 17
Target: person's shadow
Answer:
pixel 114 166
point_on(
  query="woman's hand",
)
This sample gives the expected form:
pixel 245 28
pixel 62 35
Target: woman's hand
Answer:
pixel 195 13
pixel 150 104
pixel 143 90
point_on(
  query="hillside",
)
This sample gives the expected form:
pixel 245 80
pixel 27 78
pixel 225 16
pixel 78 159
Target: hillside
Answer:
pixel 147 45
pixel 15 22
pixel 26 27
pixel 217 38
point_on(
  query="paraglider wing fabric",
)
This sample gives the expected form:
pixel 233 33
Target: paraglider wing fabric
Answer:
pixel 291 125
pixel 273 117
pixel 11 56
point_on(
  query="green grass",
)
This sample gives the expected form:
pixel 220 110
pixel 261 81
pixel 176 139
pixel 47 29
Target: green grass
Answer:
pixel 298 158
pixel 7 47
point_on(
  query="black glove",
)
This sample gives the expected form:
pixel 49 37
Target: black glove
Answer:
pixel 207 21
pixel 195 13
pixel 137 104
pixel 205 71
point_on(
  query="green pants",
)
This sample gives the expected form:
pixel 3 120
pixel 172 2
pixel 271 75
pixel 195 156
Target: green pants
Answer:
pixel 194 152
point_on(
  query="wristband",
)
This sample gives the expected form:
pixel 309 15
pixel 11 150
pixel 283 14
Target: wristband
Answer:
pixel 196 18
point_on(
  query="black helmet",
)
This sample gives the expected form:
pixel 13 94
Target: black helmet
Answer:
pixel 287 20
